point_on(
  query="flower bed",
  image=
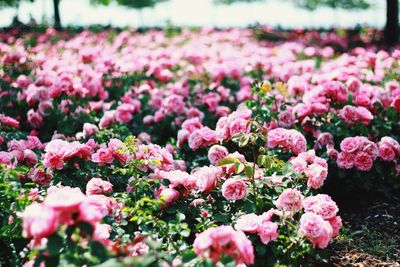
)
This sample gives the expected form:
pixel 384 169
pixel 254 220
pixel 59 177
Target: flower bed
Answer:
pixel 189 148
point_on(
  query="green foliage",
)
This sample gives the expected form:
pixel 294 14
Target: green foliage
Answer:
pixel 343 4
pixel 12 3
pixel 230 2
pixel 136 4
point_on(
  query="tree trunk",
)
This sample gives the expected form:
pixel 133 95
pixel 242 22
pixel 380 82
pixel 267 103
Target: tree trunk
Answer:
pixel 57 19
pixel 392 22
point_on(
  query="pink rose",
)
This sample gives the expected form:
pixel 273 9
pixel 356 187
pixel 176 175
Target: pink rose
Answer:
pixel 216 153
pixel 345 160
pixel 248 223
pixel 195 140
pixel 234 189
pixel 93 209
pixel 291 140
pixel 363 161
pixel 336 224
pixel 324 139
pixel 290 200
pixel 350 144
pixel 5 120
pixel 124 112
pixel 286 119
pixel 102 233
pixel 302 110
pixel 322 205
pixel 318 231
pixel 64 198
pixel 103 156
pixel 169 195
pixel 191 125
pixel 362 100
pixel 206 178
pixel 97 186
pixel 365 115
pixel 177 178
pixel 39 221
pixel 268 231
pixel 34 119
pixel 138 249
pixel 5 158
pixel 30 157
pixel 316 175
pixel 386 152
pixel 89 129
pixel 392 142
pixel 349 114
pixel 396 103
pixel 219 241
pixel 238 125
pixel 107 119
pixel 33 142
pixel 183 136
pixel 15 145
pixel 54 156
pixel 117 147
pixel 40 177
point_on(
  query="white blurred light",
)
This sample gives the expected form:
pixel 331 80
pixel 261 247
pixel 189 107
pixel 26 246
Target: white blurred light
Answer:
pixel 197 13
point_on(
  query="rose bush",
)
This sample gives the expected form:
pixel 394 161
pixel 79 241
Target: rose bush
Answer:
pixel 224 168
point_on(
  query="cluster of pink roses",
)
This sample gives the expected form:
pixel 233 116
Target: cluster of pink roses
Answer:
pixel 360 152
pixel 21 151
pixel 388 149
pixel 8 121
pixel 188 82
pixel 196 134
pixel 58 152
pixel 288 140
pixel 123 113
pixel 106 155
pixel 352 115
pixel 313 167
pixel 224 240
pixel 259 224
pixel 68 206
pixel 320 223
pixel 357 152
pixel 236 122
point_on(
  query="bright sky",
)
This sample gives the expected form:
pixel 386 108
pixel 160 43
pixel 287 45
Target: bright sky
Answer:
pixel 198 13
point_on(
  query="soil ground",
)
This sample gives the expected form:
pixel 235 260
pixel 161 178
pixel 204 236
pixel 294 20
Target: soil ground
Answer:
pixel 370 237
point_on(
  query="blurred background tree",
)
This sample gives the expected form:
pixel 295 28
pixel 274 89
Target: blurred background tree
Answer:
pixel 392 12
pixel 139 5
pixel 15 4
pixel 229 2
pixel 392 9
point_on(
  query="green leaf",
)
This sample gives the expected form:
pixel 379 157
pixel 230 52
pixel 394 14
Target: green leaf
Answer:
pixel 249 206
pixel 111 263
pixel 86 227
pixel 98 249
pixel 52 261
pixel 185 233
pixel 188 256
pixel 220 218
pixel 55 244
pixel 228 160
pixel 239 167
pixel 262 160
pixel 249 171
